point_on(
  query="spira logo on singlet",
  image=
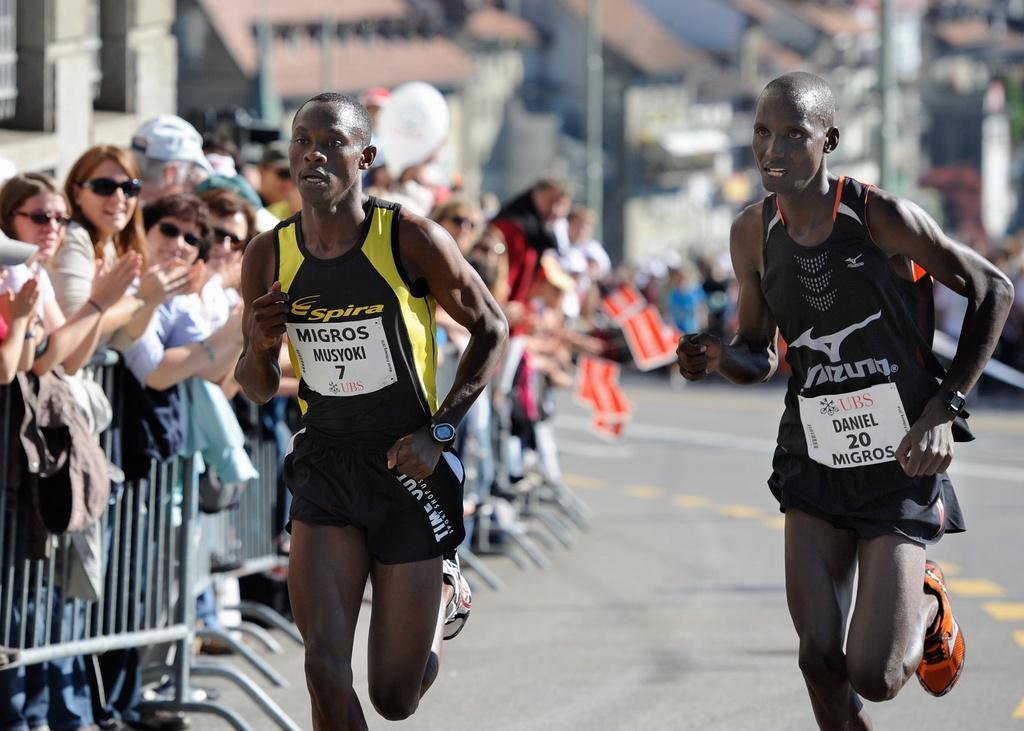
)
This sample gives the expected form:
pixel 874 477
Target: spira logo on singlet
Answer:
pixel 830 345
pixel 303 307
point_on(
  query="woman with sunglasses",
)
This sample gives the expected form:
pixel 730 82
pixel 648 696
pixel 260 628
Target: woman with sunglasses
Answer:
pixel 102 188
pixel 232 224
pixel 180 342
pixel 33 209
pixel 461 219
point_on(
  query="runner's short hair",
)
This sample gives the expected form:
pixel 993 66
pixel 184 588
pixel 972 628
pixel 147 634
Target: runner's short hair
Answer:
pixel 360 116
pixel 810 92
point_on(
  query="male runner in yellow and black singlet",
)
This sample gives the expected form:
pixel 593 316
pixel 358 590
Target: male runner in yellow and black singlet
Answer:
pixel 354 285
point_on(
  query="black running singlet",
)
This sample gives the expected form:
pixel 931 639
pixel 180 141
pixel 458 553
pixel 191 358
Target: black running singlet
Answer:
pixel 853 348
pixel 361 336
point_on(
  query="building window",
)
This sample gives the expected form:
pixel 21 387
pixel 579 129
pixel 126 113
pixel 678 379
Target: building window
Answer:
pixel 92 35
pixel 8 59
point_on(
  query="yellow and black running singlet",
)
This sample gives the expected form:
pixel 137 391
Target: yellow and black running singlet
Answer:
pixel 361 336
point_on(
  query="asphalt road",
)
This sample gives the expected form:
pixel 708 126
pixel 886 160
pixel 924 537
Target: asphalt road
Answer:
pixel 670 612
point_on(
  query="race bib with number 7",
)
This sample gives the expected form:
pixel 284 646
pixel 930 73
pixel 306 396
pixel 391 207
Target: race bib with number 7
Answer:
pixel 856 428
pixel 343 358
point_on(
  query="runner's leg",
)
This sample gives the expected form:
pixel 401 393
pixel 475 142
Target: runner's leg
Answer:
pixel 820 565
pixel 327 574
pixel 405 635
pixel 890 618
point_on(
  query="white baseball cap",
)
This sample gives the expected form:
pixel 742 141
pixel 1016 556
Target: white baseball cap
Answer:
pixel 15 252
pixel 169 137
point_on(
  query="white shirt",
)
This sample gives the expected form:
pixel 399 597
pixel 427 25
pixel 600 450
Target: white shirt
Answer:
pixel 178 321
pixel 16 277
pixel 217 302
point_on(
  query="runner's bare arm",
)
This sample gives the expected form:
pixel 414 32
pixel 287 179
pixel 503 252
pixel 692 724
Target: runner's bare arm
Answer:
pixel 752 355
pixel 429 253
pixel 263 321
pixel 900 227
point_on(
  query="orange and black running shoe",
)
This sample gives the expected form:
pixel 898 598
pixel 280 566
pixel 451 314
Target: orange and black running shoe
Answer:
pixel 944 650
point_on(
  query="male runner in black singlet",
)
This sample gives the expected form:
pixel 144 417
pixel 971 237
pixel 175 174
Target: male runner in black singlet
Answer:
pixel 868 429
pixel 354 285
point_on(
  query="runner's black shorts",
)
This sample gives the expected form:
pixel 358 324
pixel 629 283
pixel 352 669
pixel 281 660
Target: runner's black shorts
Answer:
pixel 347 484
pixel 922 509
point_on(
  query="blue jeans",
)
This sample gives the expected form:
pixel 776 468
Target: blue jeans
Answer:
pixel 120 676
pixel 54 693
pixel 206 608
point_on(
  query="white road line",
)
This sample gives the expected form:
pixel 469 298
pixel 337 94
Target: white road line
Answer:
pixel 596 448
pixel 693 438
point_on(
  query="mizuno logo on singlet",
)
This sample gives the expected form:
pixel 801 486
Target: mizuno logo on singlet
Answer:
pixel 303 307
pixel 830 344
pixel 854 261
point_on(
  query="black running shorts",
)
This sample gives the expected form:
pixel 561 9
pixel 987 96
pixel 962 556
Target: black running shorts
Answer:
pixel 922 509
pixel 350 485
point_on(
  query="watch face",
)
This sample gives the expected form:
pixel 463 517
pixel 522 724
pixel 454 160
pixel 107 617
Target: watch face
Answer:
pixel 443 432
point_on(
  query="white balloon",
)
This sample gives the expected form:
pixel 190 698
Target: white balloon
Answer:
pixel 412 126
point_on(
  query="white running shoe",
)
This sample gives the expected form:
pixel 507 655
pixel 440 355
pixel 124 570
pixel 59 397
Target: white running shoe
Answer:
pixel 457 610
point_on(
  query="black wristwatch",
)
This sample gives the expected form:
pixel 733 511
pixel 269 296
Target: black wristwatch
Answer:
pixel 954 401
pixel 443 433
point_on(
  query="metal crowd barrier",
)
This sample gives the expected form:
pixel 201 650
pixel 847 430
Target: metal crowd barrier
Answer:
pixel 526 509
pixel 149 546
pixel 239 541
pixel 136 605
pixel 155 548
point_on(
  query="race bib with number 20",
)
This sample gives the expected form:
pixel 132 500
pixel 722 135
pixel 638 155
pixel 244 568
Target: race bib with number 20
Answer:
pixel 854 429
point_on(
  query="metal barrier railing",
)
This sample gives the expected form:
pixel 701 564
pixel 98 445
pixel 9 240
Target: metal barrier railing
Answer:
pixel 154 559
pixel 135 604
pixel 148 554
pixel 243 537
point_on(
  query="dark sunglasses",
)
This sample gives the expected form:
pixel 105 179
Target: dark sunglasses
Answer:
pixel 283 173
pixel 172 232
pixel 220 234
pixel 106 187
pixel 462 221
pixel 43 219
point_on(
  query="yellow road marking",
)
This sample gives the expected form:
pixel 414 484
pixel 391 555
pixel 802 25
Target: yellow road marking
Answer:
pixel 776 523
pixel 740 511
pixel 1019 713
pixel 581 481
pixel 1005 611
pixel 644 492
pixel 1018 637
pixel 691 501
pixel 975 587
pixel 949 569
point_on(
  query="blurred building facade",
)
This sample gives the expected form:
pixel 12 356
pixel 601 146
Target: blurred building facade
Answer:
pixel 74 73
pixel 681 81
pixel 270 57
